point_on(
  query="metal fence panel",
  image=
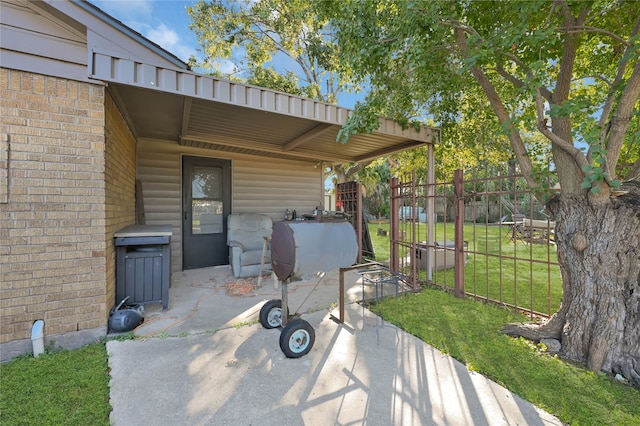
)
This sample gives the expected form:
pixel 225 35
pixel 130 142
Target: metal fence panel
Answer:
pixel 492 240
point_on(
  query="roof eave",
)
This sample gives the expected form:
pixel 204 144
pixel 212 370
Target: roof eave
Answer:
pixel 110 20
pixel 184 82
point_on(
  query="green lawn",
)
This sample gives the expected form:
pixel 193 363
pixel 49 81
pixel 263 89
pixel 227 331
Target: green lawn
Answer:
pixel 58 388
pixel 72 387
pixel 517 281
pixel 470 332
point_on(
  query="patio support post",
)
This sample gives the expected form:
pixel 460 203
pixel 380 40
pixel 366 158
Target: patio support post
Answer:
pixel 414 223
pixel 341 298
pixel 393 227
pixel 458 272
pixel 431 210
pixel 361 221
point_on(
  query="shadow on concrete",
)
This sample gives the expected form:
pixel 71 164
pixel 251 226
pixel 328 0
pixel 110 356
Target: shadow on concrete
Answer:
pixel 207 361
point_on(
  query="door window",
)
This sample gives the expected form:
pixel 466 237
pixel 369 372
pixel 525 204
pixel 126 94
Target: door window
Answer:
pixel 207 205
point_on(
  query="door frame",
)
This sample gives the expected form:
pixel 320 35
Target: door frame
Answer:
pixel 227 166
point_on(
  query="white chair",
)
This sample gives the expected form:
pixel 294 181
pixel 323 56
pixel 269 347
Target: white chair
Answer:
pixel 245 238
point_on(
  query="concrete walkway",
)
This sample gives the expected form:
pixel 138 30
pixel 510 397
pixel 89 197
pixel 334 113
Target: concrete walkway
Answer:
pixel 206 361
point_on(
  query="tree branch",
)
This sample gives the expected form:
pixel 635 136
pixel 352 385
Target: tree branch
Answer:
pixel 606 110
pixel 509 77
pixel 621 119
pixel 577 29
pixel 634 172
pixel 563 82
pixel 503 116
pixel 595 77
pixel 567 158
pixel 500 67
pixel 519 83
pixel 567 147
pixel 566 11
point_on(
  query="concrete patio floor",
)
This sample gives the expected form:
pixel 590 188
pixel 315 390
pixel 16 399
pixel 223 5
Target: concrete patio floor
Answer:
pixel 207 361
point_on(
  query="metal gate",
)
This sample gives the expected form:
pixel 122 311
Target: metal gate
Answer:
pixel 483 235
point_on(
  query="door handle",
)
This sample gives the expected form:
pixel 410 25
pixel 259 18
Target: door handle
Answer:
pixel 186 216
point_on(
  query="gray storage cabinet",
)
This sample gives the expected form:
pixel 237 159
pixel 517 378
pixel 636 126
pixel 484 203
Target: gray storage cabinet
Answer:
pixel 143 264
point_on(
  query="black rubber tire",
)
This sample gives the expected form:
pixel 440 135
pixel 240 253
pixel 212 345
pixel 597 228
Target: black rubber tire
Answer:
pixel 271 314
pixel 297 338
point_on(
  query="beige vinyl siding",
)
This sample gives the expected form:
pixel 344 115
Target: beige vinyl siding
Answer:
pixel 259 185
pixel 159 173
pixel 273 186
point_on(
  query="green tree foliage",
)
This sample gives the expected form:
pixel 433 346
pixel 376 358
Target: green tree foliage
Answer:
pixel 566 70
pixel 560 76
pixel 375 180
pixel 252 33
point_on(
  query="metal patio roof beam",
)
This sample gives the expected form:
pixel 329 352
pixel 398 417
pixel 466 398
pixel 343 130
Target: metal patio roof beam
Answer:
pixel 305 137
pixel 391 150
pixel 261 146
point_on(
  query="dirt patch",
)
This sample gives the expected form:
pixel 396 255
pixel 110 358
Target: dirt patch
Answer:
pixel 241 287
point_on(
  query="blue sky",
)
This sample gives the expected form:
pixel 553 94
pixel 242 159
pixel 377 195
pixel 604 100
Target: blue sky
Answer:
pixel 166 23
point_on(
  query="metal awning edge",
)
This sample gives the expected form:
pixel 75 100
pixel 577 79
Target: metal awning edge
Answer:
pixel 108 68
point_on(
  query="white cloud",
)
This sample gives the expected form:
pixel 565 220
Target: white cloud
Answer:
pixel 163 36
pixel 226 66
pixel 146 17
pixel 169 40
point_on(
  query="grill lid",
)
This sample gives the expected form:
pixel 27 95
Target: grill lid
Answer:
pixel 303 248
pixel 283 251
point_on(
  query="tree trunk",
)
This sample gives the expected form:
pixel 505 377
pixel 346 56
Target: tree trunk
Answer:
pixel 346 172
pixel 599 256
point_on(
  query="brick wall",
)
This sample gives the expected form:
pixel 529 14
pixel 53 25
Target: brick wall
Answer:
pixel 52 225
pixel 120 191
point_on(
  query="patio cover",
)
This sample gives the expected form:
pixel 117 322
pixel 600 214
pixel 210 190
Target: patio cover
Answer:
pixel 209 112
